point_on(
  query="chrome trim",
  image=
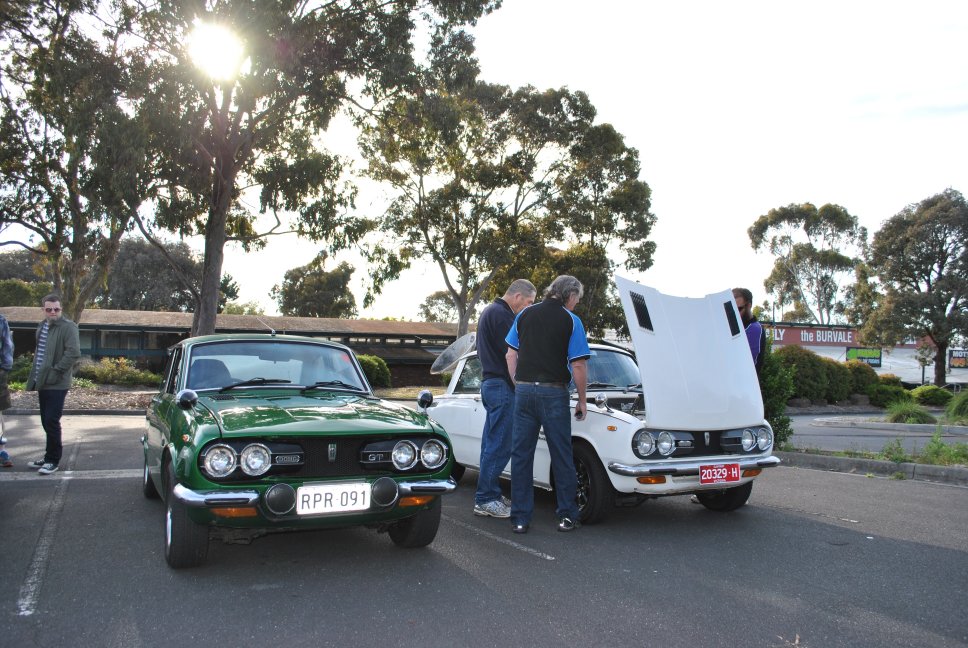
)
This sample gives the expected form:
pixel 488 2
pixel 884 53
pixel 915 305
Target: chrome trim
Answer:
pixel 215 499
pixel 427 486
pixel 690 467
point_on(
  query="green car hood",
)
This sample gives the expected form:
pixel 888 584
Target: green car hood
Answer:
pixel 324 414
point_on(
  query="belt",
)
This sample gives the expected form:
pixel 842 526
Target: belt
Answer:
pixel 559 385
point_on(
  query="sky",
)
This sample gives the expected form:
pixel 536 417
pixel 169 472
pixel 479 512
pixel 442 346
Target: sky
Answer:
pixel 735 108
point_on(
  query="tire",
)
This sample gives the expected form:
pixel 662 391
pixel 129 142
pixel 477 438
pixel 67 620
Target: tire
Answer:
pixel 596 496
pixel 148 486
pixel 186 543
pixel 418 530
pixel 457 471
pixel 728 499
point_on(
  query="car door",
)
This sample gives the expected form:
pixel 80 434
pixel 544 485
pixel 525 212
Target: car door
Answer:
pixel 158 428
pixel 462 413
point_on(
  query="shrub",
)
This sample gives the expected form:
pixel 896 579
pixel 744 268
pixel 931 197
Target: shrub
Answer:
pixel 889 379
pixel 931 395
pixel 839 380
pixel 938 452
pixel 809 373
pixel 906 411
pixel 116 371
pixel 862 376
pixel 894 451
pixel 776 386
pixel 376 370
pixel 21 368
pixel 957 409
pixel 884 395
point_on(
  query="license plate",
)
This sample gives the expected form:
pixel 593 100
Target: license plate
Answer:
pixel 317 499
pixel 718 474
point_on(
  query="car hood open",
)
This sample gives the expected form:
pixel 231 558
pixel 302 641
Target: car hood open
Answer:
pixel 695 361
pixel 296 414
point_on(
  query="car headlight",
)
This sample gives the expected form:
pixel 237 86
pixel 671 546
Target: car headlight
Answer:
pixel 666 444
pixel 764 438
pixel 749 439
pixel 220 461
pixel 404 455
pixel 255 459
pixel 643 444
pixel 433 454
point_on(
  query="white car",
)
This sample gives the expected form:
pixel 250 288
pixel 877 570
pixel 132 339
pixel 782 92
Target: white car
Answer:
pixel 683 415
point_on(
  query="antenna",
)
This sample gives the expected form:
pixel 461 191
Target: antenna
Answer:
pixel 272 331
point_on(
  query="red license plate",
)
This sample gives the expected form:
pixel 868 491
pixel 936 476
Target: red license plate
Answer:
pixel 718 474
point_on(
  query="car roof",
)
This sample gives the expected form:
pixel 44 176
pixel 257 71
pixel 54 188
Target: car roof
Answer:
pixel 256 337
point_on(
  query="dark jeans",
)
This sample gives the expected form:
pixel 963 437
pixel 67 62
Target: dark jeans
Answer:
pixel 535 407
pixel 51 409
pixel 498 398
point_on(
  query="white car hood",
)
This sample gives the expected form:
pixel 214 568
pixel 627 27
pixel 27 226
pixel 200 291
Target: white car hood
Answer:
pixel 697 371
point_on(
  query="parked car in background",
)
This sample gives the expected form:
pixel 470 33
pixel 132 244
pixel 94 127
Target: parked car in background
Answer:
pixel 682 416
pixel 263 433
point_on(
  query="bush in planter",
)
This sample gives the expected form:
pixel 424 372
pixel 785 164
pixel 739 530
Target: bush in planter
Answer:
pixel 884 395
pixel 776 387
pixel 931 395
pixel 116 371
pixel 862 376
pixel 809 371
pixel 908 412
pixel 890 379
pixel 957 409
pixel 840 382
pixel 376 370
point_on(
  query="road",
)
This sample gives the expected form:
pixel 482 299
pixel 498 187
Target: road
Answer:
pixel 808 435
pixel 816 559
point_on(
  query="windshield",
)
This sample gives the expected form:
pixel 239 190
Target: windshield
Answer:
pixel 271 362
pixel 609 369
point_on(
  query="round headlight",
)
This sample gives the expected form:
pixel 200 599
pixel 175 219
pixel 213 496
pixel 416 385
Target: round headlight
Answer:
pixel 255 459
pixel 219 461
pixel 643 444
pixel 749 439
pixel 666 444
pixel 433 454
pixel 764 438
pixel 404 455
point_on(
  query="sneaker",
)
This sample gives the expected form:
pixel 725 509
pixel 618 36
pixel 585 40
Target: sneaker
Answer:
pixel 494 508
pixel 5 460
pixel 506 501
pixel 567 524
pixel 47 469
pixel 36 464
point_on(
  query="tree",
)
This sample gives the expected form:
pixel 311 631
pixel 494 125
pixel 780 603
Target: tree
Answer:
pixel 73 168
pixel 257 127
pixel 23 265
pixel 920 256
pixel 243 308
pixel 809 245
pixel 312 291
pixel 142 278
pixel 439 307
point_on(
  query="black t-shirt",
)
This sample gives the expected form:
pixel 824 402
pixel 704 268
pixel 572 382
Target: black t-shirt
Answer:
pixel 549 337
pixel 492 328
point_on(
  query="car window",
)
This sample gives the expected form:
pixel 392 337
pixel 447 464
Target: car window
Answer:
pixel 171 371
pixel 218 364
pixel 470 378
pixel 612 368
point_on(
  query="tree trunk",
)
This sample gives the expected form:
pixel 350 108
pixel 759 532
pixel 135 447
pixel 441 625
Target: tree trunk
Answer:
pixel 940 362
pixel 203 323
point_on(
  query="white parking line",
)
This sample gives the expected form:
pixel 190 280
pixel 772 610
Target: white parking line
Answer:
pixel 129 473
pixel 510 543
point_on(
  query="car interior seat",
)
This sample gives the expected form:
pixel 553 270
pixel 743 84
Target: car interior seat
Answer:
pixel 208 372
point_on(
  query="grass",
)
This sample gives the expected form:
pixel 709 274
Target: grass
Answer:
pixel 407 393
pixel 935 452
pixel 908 412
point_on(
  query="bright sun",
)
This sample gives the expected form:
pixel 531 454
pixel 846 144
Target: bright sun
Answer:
pixel 215 50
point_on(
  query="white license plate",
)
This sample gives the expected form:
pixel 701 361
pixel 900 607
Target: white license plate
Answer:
pixel 316 499
pixel 718 474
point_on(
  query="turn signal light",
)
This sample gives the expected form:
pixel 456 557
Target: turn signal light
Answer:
pixel 651 479
pixel 752 472
pixel 416 500
pixel 235 512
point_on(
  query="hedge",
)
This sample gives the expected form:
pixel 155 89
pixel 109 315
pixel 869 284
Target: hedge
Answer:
pixel 376 370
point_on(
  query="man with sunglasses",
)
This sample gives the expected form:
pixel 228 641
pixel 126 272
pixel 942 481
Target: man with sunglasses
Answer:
pixel 58 348
pixel 755 334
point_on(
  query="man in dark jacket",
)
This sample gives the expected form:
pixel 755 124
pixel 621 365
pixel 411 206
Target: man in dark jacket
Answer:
pixel 58 348
pixel 755 334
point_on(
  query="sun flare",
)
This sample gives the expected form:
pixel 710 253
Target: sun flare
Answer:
pixel 215 50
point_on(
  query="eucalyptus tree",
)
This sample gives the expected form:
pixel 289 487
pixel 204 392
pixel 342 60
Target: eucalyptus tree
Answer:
pixel 313 291
pixel 256 127
pixel 73 163
pixel 812 248
pixel 920 257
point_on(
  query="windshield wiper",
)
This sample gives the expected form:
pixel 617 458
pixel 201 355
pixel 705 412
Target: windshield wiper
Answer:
pixel 255 381
pixel 635 386
pixel 338 384
pixel 599 385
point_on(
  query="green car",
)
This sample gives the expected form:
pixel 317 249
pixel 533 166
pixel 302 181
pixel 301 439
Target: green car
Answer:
pixel 257 433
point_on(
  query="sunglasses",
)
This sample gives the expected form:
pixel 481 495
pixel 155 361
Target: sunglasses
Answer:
pixel 52 310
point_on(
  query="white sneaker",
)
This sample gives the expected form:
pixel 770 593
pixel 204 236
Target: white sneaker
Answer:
pixel 494 508
pixel 36 464
pixel 47 469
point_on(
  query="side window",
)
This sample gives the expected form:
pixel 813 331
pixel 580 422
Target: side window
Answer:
pixel 470 378
pixel 171 371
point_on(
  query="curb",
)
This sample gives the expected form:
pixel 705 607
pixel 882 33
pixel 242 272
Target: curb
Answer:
pixel 956 475
pixel 845 421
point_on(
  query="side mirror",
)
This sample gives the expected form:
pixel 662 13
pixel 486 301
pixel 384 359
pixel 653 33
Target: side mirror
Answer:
pixel 186 399
pixel 601 402
pixel 425 399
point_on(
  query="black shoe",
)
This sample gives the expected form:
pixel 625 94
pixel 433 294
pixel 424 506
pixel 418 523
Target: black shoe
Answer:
pixel 567 524
pixel 519 527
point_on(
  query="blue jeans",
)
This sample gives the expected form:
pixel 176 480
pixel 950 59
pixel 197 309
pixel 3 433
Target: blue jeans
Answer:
pixel 51 408
pixel 535 407
pixel 498 398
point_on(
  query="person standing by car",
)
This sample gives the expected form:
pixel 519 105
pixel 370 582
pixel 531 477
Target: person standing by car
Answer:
pixel 6 364
pixel 497 395
pixel 58 348
pixel 755 334
pixel 547 349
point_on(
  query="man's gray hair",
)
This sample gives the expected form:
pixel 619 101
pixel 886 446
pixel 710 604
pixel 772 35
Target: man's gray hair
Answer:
pixel 563 287
pixel 521 287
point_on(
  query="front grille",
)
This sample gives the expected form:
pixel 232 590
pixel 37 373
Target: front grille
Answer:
pixel 318 464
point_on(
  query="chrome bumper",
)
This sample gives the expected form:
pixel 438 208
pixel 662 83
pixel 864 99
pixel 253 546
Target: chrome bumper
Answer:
pixel 428 487
pixel 679 468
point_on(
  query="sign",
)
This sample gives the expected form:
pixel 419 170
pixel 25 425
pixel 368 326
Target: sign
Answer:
pixel 868 355
pixel 958 358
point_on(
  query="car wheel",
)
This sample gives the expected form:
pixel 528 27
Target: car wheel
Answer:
pixel 457 471
pixel 148 486
pixel 728 499
pixel 186 543
pixel 418 530
pixel 595 493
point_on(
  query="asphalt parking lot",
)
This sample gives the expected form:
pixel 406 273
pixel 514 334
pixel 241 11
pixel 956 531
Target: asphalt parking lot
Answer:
pixel 815 559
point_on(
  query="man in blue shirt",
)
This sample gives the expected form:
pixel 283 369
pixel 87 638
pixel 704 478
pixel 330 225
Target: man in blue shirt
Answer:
pixel 755 334
pixel 547 349
pixel 497 395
